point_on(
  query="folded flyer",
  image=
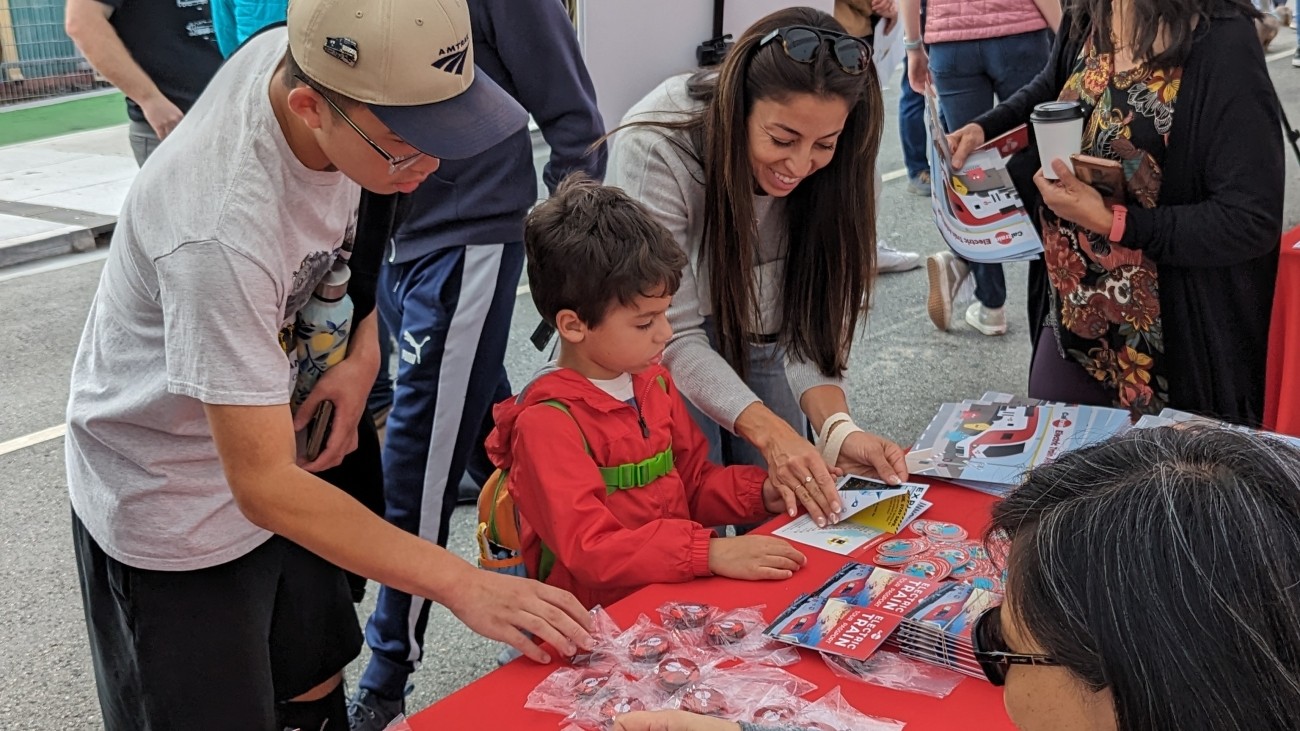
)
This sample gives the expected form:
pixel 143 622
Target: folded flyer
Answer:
pixel 871 508
pixel 977 209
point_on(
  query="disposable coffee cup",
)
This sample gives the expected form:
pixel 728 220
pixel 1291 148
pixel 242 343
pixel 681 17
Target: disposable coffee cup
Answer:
pixel 1058 127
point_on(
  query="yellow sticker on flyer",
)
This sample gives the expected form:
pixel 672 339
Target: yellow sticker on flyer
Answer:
pixel 958 186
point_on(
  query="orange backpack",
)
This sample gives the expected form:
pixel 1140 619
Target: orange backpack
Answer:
pixel 499 544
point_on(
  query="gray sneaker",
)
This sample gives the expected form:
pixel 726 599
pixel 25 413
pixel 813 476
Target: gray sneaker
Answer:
pixel 919 184
pixel 988 320
pixel 369 712
pixel 946 273
pixel 1295 60
pixel 889 259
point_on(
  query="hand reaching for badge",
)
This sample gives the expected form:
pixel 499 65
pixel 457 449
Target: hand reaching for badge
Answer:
pixel 504 608
pixel 671 721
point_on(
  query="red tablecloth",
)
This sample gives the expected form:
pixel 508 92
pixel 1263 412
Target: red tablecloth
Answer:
pixel 496 701
pixel 1282 383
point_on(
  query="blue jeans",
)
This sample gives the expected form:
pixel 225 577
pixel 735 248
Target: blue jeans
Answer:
pixel 911 128
pixel 967 75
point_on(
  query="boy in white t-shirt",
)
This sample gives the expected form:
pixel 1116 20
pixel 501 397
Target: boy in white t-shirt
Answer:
pixel 206 550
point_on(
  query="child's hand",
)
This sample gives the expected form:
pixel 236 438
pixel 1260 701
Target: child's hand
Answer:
pixel 823 503
pixel 754 558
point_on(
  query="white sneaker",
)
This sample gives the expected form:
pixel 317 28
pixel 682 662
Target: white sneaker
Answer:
pixel 946 273
pixel 988 320
pixel 889 259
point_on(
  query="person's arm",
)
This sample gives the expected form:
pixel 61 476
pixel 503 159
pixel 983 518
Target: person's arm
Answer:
pixel 256 446
pixel 918 61
pixel 221 318
pixel 86 23
pixel 1239 218
pixel 1051 12
pixel 539 48
pixel 685 721
pixel 718 495
pixel 862 453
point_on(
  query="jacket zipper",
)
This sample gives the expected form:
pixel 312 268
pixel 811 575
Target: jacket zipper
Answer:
pixel 640 415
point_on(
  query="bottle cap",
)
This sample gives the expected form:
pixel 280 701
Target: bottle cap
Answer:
pixel 335 284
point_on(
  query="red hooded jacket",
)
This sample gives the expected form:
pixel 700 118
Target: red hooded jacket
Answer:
pixel 606 547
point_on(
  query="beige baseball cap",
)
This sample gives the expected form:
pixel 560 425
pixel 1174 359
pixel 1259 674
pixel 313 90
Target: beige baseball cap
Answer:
pixel 412 63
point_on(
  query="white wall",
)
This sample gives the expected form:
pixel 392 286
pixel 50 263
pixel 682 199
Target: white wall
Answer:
pixel 632 45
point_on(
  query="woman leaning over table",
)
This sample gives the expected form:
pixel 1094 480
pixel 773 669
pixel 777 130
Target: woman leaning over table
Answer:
pixel 1144 591
pixel 763 172
pixel 1166 299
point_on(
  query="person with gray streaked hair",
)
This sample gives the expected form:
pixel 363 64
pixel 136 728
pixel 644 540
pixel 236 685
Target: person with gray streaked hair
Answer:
pixel 1152 583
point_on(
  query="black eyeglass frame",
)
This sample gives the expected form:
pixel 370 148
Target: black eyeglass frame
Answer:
pixel 995 663
pixel 838 41
pixel 395 163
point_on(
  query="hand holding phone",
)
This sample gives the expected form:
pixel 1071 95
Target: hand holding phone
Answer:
pixel 318 430
pixel 1105 176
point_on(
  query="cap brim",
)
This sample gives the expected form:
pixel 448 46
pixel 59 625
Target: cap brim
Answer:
pixel 470 123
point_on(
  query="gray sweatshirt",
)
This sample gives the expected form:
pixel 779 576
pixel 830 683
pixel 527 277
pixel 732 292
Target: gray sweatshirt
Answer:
pixel 653 169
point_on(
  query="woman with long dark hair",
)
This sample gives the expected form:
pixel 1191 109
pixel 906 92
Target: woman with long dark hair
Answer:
pixel 1150 585
pixel 764 171
pixel 1162 297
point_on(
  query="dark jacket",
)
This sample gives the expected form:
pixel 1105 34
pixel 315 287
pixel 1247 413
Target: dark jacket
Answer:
pixel 1215 231
pixel 528 47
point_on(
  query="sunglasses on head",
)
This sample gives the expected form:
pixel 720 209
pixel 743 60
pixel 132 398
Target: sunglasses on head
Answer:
pixel 991 650
pixel 802 43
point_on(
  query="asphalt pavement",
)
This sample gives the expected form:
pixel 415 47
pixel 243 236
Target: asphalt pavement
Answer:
pixel 902 368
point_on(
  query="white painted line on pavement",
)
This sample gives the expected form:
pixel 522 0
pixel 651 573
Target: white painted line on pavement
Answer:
pixel 1279 55
pixel 52 265
pixel 44 435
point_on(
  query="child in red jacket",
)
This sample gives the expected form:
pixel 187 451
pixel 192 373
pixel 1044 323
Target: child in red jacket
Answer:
pixel 602 272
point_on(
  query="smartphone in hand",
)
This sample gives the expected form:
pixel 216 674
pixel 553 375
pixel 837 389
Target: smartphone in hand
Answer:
pixel 1106 176
pixel 318 430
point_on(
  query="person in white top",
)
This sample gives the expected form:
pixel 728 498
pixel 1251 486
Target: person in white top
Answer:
pixel 764 174
pixel 208 551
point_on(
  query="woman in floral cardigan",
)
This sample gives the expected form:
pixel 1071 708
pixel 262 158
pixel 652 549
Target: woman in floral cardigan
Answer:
pixel 1163 299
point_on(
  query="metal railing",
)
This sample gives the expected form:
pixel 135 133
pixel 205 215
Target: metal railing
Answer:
pixel 37 59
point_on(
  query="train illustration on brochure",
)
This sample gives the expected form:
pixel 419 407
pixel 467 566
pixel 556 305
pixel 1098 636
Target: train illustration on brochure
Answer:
pixel 862 608
pixel 989 443
pixel 977 209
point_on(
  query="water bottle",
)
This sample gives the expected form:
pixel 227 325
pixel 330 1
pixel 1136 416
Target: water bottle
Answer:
pixel 323 327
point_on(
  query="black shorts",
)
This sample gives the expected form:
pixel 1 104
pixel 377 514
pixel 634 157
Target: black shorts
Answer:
pixel 215 648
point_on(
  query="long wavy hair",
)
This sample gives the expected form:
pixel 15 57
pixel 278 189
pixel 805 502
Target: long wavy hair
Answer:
pixel 1179 20
pixel 831 216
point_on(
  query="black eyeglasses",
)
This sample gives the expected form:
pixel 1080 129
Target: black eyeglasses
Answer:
pixel 991 650
pixel 395 163
pixel 801 43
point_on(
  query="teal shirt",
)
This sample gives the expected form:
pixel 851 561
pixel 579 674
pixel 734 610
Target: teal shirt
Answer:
pixel 235 20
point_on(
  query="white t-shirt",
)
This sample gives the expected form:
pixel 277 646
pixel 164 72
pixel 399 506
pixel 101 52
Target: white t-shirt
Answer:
pixel 221 240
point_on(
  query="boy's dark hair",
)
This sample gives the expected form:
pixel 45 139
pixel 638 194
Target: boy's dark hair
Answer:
pixel 590 245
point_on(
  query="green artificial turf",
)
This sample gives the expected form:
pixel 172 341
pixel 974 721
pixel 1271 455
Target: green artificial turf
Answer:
pixel 50 120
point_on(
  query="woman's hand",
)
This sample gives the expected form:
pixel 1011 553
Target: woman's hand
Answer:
pixel 798 471
pixel 918 69
pixel 870 455
pixel 671 721
pixel 963 142
pixel 1074 200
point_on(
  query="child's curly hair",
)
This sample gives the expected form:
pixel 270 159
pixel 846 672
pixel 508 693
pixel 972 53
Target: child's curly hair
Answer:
pixel 590 245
